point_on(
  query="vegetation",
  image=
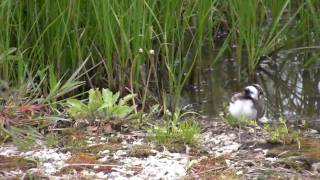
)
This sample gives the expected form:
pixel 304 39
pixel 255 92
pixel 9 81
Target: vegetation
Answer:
pixel 117 37
pixel 281 134
pixel 102 106
pixel 53 50
pixel 179 131
pixel 278 133
pixel 234 122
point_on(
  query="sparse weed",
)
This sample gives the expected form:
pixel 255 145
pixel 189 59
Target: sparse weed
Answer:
pixel 234 122
pixel 24 138
pixel 281 134
pixel 175 131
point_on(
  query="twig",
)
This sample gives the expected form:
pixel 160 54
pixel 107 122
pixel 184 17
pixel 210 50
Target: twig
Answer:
pixel 213 169
pixel 103 165
pixel 282 153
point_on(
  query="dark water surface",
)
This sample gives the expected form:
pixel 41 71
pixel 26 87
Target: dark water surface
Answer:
pixel 291 89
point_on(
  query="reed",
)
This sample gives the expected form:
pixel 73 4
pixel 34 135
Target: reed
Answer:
pixel 118 35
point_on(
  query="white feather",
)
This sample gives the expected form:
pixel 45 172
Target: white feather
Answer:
pixel 253 92
pixel 243 109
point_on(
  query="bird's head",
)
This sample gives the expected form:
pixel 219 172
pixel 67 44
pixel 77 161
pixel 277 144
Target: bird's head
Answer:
pixel 254 91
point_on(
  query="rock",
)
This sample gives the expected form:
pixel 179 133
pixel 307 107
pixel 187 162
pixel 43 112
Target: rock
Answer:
pixel 272 159
pixel 264 120
pixel 119 153
pixel 227 149
pixel 314 124
pixel 315 167
pixel 229 162
pixel 251 131
pixel 238 173
pixel 257 150
pixel 313 131
pixel 104 152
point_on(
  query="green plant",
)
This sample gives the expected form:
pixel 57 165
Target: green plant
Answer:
pixel 185 132
pixel 176 131
pixel 227 118
pixel 281 134
pixel 105 106
pixel 24 138
pixel 259 32
pixel 52 140
pixel 234 122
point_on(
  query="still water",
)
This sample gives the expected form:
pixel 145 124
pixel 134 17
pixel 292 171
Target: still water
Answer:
pixel 291 88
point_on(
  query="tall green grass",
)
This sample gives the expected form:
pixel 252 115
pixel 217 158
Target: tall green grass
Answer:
pixel 261 27
pixel 62 34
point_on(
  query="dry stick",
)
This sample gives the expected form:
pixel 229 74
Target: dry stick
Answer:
pixel 105 165
pixel 102 165
pixel 146 87
pixel 131 90
pixel 213 169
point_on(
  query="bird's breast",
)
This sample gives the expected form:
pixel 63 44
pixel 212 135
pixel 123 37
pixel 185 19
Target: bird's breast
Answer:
pixel 243 108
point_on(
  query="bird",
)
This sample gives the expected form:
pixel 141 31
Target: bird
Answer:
pixel 248 104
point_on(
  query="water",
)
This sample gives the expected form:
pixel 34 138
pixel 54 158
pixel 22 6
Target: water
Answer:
pixel 291 90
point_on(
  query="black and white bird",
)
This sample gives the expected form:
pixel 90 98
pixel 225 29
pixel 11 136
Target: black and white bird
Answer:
pixel 248 104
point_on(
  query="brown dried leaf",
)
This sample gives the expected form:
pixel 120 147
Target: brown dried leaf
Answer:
pixel 107 128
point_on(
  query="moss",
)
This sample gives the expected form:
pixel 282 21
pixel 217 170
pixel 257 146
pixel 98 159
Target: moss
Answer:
pixel 15 162
pixel 141 151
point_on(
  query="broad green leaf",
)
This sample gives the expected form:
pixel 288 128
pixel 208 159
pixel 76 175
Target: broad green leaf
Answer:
pixel 95 100
pixel 107 98
pixel 75 103
pixel 115 98
pixel 77 108
pixel 127 98
pixel 121 111
pixel 104 106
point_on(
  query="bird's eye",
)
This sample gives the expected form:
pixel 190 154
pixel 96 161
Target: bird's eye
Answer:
pixel 3 89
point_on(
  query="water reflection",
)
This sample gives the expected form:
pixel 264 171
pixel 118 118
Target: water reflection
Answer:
pixel 291 91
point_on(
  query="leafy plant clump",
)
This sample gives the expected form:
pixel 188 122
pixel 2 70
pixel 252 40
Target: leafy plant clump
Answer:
pixel 281 134
pixel 185 132
pixel 175 131
pixel 101 105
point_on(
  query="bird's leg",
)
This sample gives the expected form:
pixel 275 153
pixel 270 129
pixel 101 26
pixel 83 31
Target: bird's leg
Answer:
pixel 255 134
pixel 239 132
